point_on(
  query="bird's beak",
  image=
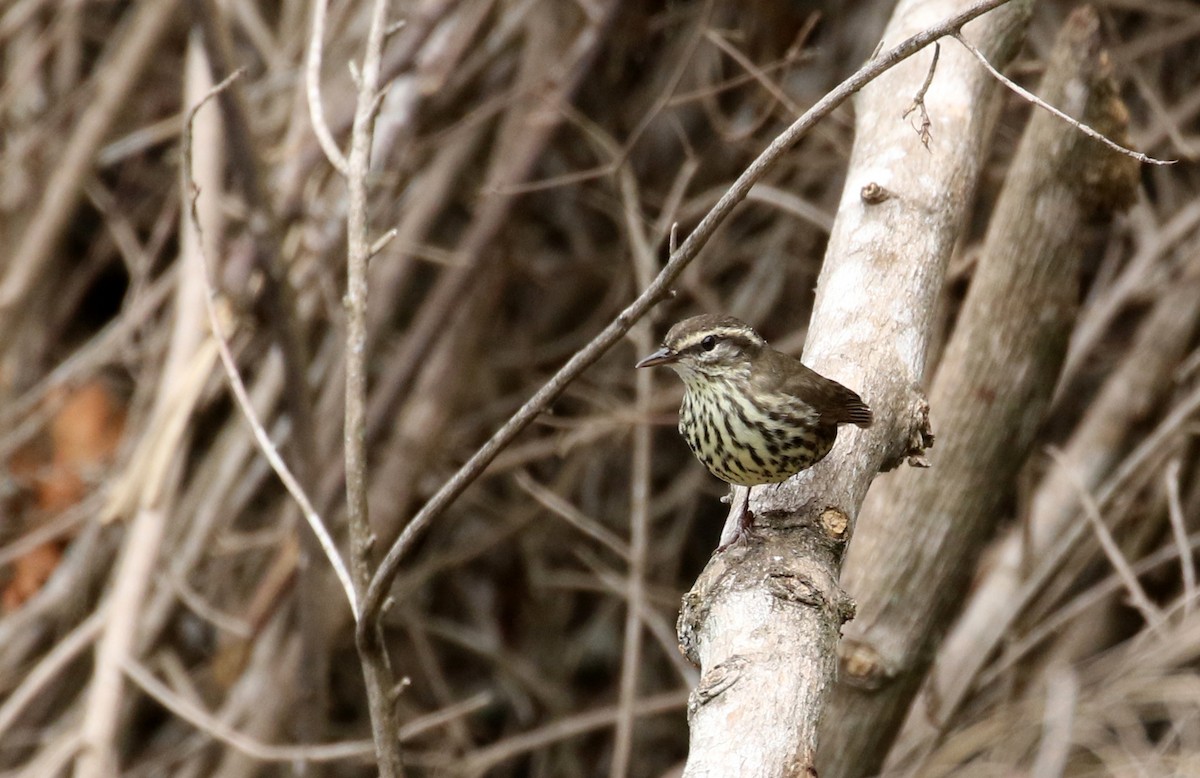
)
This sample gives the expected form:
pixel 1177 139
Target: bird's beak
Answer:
pixel 664 356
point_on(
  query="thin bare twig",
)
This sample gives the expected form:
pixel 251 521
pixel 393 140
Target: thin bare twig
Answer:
pixel 1031 97
pixel 1122 478
pixel 755 72
pixel 1175 514
pixel 266 752
pixel 54 662
pixel 639 491
pixel 660 626
pixel 572 515
pixel 1091 509
pixel 484 759
pixel 312 81
pixel 918 103
pixel 218 730
pixel 381 242
pixel 1053 624
pixel 269 451
pixel 377 674
pixel 657 291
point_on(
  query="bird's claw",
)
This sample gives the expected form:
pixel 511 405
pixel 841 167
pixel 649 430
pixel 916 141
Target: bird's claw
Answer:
pixel 740 518
pixel 743 527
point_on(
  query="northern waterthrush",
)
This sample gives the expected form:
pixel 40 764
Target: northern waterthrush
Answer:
pixel 751 414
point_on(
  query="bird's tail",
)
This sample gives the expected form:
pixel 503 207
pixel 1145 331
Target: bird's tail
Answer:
pixel 857 413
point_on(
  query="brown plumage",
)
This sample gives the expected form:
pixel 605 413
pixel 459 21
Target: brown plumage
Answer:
pixel 751 414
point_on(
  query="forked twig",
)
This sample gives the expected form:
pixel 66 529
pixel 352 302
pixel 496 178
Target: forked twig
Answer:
pixel 918 103
pixel 377 673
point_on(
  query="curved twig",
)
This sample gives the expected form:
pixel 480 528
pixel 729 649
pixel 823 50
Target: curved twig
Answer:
pixel 312 83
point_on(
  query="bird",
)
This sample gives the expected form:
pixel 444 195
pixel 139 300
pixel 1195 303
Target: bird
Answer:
pixel 751 414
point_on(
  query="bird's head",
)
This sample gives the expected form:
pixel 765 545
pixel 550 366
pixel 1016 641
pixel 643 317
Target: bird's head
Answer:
pixel 708 347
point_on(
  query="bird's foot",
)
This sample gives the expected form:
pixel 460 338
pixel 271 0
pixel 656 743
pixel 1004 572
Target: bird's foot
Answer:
pixel 740 520
pixel 742 528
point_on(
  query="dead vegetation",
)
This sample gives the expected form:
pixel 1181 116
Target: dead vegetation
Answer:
pixel 166 611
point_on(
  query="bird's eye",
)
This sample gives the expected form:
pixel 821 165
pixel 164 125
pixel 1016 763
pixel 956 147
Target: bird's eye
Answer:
pixel 709 343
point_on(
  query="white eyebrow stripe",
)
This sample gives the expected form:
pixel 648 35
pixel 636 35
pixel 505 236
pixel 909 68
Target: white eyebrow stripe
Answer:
pixel 731 333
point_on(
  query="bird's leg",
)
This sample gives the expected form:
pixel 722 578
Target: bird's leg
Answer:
pixel 740 518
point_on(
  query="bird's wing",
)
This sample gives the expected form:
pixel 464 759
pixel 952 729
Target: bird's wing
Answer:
pixel 832 401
